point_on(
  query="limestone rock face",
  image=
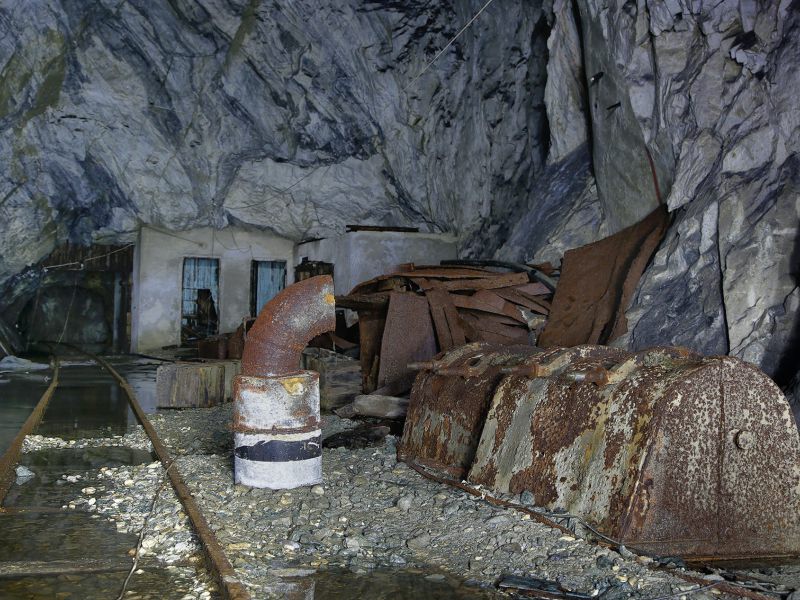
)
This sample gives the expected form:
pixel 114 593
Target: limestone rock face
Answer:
pixel 545 126
pixel 562 212
pixel 298 117
pixel 709 91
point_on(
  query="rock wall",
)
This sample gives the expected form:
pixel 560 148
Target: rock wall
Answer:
pixel 545 126
pixel 694 104
pixel 298 117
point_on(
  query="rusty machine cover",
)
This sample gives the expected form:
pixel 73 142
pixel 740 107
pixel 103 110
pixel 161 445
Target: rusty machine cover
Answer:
pixel 664 450
pixel 449 402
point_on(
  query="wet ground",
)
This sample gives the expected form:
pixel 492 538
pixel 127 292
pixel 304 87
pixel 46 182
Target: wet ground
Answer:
pixel 48 549
pixel 54 543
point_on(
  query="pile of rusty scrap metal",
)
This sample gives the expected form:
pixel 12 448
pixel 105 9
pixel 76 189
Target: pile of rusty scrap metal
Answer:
pixel 411 315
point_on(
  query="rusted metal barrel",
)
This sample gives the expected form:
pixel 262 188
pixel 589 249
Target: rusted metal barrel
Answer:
pixel 449 402
pixel 664 450
pixel 276 418
pixel 277 434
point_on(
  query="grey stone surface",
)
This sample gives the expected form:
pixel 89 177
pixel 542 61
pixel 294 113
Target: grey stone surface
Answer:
pixel 545 126
pixel 300 117
pixel 562 212
pixel 710 90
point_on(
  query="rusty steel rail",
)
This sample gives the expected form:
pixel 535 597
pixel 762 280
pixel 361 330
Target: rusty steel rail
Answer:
pixel 216 561
pixel 11 456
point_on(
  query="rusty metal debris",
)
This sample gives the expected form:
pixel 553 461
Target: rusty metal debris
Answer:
pixel 286 324
pixel 410 315
pixel 449 402
pixel 276 411
pixel 664 450
pixel 597 282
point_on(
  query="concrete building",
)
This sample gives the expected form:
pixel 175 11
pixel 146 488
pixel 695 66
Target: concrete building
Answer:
pixel 160 258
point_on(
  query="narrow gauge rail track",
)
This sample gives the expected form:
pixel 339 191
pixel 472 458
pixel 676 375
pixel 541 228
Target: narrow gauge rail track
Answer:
pixel 217 563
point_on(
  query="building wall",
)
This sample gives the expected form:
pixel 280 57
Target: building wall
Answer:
pixel 361 255
pixel 158 273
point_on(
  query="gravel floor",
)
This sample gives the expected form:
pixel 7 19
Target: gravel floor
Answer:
pixel 139 500
pixel 372 512
pixel 370 515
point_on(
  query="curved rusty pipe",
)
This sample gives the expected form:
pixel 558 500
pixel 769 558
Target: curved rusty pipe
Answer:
pixel 285 326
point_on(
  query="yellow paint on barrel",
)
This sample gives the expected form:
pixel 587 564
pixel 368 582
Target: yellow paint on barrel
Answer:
pixel 293 385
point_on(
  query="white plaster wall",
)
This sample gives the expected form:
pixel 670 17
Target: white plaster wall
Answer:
pixel 158 272
pixel 361 255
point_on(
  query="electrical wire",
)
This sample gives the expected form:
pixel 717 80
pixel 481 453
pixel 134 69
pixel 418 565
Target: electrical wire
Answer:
pixel 69 310
pixel 450 43
pixel 85 260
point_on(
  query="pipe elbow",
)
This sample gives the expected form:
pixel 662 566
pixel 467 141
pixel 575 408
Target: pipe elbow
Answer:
pixel 286 324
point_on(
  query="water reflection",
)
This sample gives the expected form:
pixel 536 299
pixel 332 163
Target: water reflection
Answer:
pixel 380 585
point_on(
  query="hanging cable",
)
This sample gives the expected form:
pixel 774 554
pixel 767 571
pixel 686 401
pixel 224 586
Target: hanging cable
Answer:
pixel 85 260
pixel 450 43
pixel 69 309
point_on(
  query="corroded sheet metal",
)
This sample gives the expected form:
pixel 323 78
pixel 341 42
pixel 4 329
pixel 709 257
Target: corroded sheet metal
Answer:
pixel 666 451
pixel 449 402
pixel 407 337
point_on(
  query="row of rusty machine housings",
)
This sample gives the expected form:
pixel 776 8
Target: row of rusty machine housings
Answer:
pixel 663 450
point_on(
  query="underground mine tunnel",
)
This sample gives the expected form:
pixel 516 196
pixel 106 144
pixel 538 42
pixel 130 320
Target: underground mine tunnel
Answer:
pixel 425 299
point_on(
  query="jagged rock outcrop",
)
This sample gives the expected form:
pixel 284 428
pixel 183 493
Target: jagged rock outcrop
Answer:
pixel 707 92
pixel 545 126
pixel 299 117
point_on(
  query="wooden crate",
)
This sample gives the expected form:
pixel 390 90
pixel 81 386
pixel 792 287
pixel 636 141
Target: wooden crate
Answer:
pixel 190 385
pixel 339 376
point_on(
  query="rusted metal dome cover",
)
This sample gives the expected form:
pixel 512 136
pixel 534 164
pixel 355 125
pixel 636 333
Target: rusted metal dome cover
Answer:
pixel 668 452
pixel 449 402
pixel 664 450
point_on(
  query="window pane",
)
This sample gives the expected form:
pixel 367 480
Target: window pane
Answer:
pixel 268 277
pixel 200 298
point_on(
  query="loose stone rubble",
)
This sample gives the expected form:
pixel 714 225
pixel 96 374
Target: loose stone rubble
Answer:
pixel 126 496
pixel 371 514
pixel 374 513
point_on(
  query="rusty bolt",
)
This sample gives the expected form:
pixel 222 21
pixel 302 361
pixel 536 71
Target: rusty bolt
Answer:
pixel 744 439
pixel 598 376
pixel 425 365
pixel 533 371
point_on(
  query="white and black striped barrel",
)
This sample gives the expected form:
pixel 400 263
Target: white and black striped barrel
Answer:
pixel 277 432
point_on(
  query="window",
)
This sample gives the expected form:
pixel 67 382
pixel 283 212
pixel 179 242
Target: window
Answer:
pixel 200 299
pixel 267 278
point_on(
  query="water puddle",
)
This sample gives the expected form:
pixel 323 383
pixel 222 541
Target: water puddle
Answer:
pixel 146 584
pixel 48 486
pixel 382 585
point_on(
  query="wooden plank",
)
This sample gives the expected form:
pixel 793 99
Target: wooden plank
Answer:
pixel 445 273
pixel 376 301
pixel 534 289
pixel 408 337
pixel 436 304
pixel 494 318
pixel 370 334
pixel 190 385
pixel 490 330
pixel 488 302
pixel 544 304
pixel 446 320
pixel 512 295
